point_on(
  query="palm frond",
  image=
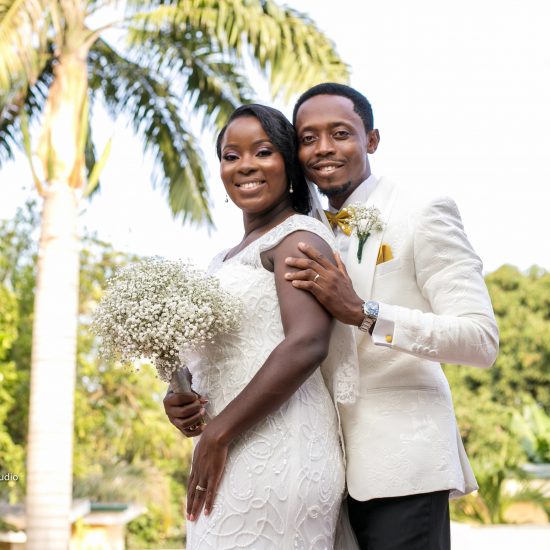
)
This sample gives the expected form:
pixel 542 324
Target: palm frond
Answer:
pixel 23 41
pixel 286 44
pixel 31 99
pixel 153 109
pixel 213 86
pixel 90 156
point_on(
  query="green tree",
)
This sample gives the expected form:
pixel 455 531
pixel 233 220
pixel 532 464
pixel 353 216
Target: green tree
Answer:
pixel 11 453
pixel 488 402
pixel 125 450
pixel 55 63
pixel 17 258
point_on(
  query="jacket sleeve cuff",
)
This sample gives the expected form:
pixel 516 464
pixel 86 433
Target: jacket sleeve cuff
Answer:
pixel 382 335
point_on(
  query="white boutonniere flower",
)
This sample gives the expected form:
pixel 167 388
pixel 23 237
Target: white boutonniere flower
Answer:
pixel 363 221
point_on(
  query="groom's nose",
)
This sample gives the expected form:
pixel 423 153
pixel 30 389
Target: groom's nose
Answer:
pixel 325 145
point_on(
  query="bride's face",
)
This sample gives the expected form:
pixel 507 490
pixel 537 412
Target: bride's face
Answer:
pixel 251 168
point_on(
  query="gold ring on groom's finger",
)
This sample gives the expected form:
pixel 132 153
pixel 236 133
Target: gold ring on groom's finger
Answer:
pixel 199 488
pixel 316 277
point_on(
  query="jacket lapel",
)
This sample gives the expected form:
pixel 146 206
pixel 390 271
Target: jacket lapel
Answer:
pixel 362 274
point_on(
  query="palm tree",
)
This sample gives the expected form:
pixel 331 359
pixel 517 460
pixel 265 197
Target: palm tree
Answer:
pixel 167 59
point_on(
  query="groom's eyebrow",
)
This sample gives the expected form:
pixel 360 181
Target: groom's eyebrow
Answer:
pixel 331 124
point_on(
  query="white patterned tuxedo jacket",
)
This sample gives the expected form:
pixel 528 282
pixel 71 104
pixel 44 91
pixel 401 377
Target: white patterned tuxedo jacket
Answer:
pixel 401 435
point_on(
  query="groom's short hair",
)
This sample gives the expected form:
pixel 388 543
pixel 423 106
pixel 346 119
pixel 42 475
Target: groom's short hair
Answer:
pixel 361 104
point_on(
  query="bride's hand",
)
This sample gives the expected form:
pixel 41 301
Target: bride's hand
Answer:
pixel 208 465
pixel 186 411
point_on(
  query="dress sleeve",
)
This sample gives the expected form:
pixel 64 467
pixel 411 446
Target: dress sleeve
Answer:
pixel 293 224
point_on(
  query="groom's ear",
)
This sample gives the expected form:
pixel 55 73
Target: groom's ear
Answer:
pixel 373 139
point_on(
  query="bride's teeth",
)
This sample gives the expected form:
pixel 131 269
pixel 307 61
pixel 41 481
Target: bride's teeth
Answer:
pixel 250 185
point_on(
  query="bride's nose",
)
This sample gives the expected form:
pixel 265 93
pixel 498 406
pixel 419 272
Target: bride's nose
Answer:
pixel 247 165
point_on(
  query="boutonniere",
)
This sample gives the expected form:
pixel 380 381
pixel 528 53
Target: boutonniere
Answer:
pixel 363 222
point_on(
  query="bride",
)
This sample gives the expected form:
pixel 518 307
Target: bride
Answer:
pixel 267 469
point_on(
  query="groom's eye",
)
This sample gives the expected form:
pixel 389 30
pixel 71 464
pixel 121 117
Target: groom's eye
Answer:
pixel 307 139
pixel 341 134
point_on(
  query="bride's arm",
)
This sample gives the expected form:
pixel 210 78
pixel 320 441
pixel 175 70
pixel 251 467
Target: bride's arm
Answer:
pixel 307 327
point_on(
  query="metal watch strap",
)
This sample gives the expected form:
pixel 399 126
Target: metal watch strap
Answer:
pixel 370 310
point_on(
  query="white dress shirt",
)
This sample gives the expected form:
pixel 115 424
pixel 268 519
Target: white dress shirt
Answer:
pixel 385 324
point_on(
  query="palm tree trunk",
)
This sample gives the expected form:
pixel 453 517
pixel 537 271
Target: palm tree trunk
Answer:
pixel 49 459
pixel 54 345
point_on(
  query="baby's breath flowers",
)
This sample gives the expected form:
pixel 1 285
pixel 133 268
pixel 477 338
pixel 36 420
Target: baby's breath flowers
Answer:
pixel 155 308
pixel 364 221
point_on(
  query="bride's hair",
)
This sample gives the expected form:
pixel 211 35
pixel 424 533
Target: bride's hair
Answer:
pixel 283 136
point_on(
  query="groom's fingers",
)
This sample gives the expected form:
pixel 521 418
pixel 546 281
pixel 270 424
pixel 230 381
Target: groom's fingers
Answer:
pixel 302 264
pixel 305 274
pixel 312 253
pixel 315 264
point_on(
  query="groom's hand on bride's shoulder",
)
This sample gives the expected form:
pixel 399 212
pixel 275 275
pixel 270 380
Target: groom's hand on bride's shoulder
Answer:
pixel 329 283
pixel 186 412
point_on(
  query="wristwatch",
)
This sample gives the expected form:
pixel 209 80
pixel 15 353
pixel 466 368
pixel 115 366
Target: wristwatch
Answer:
pixel 370 311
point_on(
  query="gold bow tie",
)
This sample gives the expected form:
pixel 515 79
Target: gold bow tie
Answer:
pixel 341 220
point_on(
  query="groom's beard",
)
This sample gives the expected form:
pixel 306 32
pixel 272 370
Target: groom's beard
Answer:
pixel 335 191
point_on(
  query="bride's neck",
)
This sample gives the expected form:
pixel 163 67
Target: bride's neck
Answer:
pixel 260 223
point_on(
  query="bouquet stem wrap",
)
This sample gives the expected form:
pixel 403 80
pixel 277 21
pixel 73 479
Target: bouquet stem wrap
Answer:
pixel 179 383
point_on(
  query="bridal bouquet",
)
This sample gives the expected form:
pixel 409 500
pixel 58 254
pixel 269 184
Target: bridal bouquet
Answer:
pixel 156 308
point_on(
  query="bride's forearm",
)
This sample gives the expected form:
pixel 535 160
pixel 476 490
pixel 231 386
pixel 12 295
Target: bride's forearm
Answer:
pixel 285 370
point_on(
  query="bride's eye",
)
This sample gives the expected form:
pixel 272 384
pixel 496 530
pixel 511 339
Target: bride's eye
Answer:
pixel 265 152
pixel 229 156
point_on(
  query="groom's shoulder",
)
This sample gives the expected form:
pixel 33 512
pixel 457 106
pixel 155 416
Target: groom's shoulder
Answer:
pixel 416 199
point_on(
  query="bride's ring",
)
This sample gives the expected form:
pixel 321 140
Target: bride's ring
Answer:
pixel 199 488
pixel 193 427
pixel 316 277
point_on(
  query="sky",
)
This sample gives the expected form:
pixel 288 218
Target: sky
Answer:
pixel 461 96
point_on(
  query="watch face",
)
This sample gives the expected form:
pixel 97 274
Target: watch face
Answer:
pixel 371 308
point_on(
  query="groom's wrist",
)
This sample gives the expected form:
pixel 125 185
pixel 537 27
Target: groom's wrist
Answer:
pixel 369 310
pixel 357 314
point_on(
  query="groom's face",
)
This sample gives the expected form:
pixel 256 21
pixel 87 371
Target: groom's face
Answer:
pixel 333 145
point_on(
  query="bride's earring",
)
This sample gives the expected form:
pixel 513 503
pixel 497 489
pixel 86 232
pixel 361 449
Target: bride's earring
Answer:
pixel 226 198
pixel 290 190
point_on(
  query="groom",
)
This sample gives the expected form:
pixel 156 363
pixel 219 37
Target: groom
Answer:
pixel 418 298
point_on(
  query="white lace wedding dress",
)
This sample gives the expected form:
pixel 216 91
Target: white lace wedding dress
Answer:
pixel 284 479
